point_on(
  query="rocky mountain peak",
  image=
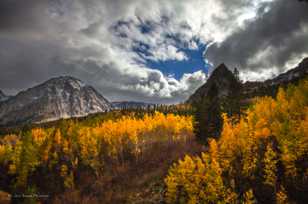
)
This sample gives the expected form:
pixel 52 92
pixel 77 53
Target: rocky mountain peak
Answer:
pixel 225 82
pixel 65 81
pixel 221 69
pixel 221 75
pixel 222 79
pixel 60 97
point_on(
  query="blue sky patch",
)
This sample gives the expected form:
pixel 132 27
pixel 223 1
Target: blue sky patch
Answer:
pixel 177 68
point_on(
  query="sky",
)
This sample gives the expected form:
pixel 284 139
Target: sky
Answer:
pixel 147 50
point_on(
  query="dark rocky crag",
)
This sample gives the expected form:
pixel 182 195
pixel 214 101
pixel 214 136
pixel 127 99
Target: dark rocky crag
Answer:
pixel 226 83
pixel 223 80
pixel 219 94
pixel 224 93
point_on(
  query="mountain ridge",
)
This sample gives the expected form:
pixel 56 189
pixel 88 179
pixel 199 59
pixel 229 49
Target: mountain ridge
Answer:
pixel 3 97
pixel 270 86
pixel 250 88
pixel 56 98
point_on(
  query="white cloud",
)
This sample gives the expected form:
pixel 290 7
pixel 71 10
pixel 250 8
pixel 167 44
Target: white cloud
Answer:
pixel 205 20
pixel 97 41
pixel 168 52
pixel 258 75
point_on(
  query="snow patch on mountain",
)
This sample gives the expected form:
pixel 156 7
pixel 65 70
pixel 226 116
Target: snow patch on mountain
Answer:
pixel 61 97
pixel 3 97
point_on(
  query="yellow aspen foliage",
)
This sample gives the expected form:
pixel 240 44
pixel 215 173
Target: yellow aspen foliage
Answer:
pixel 254 158
pixel 227 143
pixel 45 153
pixel 281 196
pixel 2 152
pixel 69 181
pixel 63 170
pixel 213 149
pixel 38 135
pixel 14 158
pixel 89 148
pixel 57 137
pixel 68 148
pixel 199 180
pixel 129 133
pixel 10 139
pixel 249 198
pixel 270 166
pixel 65 146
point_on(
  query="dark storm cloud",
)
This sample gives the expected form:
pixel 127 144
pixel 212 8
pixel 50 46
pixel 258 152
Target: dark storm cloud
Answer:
pixel 26 48
pixel 278 34
pixel 24 63
pixel 17 15
pixel 106 42
pixel 132 87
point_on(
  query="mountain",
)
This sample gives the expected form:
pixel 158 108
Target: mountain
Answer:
pixel 270 86
pixel 219 94
pixel 224 93
pixel 222 79
pixel 226 83
pixel 3 97
pixel 61 97
pixel 131 105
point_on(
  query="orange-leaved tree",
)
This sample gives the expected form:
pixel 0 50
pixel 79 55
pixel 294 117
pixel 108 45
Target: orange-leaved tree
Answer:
pixel 262 158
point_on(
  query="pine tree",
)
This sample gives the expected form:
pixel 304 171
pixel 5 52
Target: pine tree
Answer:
pixel 207 114
pixel 236 74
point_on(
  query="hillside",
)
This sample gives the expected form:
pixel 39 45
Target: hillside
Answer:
pixel 125 158
pixel 119 160
pixel 260 158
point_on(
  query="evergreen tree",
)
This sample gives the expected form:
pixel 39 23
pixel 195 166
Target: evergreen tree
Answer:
pixel 208 120
pixel 236 74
